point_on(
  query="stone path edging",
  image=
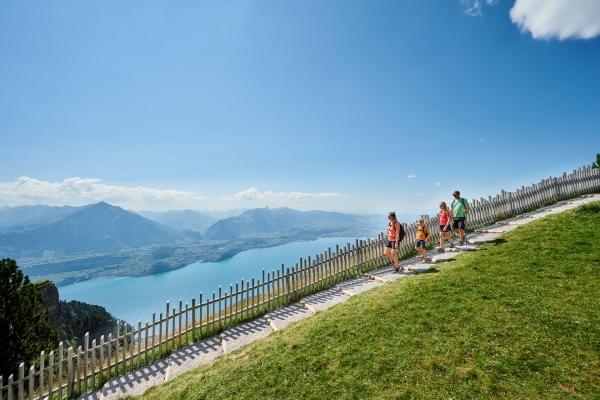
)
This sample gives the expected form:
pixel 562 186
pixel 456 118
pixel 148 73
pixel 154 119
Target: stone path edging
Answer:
pixel 207 350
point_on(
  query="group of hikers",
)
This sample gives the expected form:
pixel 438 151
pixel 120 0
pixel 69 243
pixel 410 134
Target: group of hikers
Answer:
pixel 451 219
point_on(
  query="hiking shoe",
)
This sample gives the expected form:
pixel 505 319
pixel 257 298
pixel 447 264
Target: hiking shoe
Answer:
pixel 461 243
pixel 440 250
pixel 451 245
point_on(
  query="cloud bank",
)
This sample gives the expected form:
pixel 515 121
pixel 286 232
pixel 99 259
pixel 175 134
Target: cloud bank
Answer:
pixel 561 19
pixel 255 195
pixel 80 191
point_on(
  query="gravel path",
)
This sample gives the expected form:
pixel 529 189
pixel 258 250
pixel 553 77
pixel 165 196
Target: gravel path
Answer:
pixel 323 300
pixel 284 316
pixel 358 285
pixel 238 336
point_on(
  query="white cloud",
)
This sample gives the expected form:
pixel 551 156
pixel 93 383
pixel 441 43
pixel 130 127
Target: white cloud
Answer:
pixel 78 191
pixel 562 19
pixel 473 7
pixel 438 184
pixel 411 176
pixel 253 194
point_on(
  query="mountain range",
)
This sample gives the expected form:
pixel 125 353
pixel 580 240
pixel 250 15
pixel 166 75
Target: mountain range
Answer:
pixel 97 228
pixel 261 221
pixel 41 231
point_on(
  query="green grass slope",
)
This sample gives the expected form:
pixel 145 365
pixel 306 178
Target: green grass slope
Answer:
pixel 518 319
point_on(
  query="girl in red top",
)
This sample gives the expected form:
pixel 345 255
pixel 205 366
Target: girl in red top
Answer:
pixel 445 228
pixel 393 240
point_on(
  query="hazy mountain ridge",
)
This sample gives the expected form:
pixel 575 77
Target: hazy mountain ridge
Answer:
pixel 32 216
pixel 182 219
pixel 234 212
pixel 268 220
pixel 99 228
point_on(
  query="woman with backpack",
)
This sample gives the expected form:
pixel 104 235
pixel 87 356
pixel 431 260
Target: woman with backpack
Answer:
pixel 394 233
pixel 445 226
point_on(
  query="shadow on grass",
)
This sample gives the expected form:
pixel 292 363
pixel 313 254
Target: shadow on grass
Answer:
pixel 428 271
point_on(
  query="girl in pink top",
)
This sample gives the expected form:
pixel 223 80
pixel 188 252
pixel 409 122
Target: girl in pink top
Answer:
pixel 445 229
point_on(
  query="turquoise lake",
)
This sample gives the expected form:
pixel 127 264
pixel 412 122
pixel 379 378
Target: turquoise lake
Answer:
pixel 135 298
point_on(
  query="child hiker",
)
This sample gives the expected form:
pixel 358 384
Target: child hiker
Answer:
pixel 422 238
pixel 445 228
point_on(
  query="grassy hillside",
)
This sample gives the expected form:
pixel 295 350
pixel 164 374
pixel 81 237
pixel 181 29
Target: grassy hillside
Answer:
pixel 518 319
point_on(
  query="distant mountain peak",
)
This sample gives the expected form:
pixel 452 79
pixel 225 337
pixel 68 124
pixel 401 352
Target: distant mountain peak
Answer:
pixel 98 228
pixel 266 220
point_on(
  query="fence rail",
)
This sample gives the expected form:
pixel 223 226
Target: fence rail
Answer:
pixel 66 373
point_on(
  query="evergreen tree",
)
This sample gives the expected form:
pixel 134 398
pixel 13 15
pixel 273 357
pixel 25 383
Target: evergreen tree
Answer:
pixel 24 327
pixel 597 163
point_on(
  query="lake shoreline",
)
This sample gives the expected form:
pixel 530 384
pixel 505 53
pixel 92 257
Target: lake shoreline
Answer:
pixel 134 298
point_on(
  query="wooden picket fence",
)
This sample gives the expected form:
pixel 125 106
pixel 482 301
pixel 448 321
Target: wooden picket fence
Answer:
pixel 68 373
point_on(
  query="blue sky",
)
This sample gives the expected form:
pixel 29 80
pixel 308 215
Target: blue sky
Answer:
pixel 310 104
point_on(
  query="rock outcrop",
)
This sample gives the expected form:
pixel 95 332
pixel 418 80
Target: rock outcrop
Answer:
pixel 52 302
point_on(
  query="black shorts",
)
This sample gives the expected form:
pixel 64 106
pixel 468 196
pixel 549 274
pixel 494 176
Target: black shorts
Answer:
pixel 448 229
pixel 459 223
pixel 390 244
pixel 420 243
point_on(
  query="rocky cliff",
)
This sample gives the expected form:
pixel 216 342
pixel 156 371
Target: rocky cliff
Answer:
pixel 73 319
pixel 52 302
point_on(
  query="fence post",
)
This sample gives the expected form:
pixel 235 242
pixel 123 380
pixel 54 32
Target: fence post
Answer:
pixel 358 255
pixel 32 384
pixel 160 319
pixel 117 336
pixel 179 320
pixel 21 379
pixel 50 374
pixel 193 319
pixel 124 348
pixel 77 371
pixel 42 359
pixel 86 348
pixel 93 364
pixel 139 344
pixel 10 387
pixel 287 284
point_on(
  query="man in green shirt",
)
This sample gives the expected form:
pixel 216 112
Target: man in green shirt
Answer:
pixel 459 209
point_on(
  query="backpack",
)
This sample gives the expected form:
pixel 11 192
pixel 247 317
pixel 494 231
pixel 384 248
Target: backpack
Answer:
pixel 424 231
pixel 402 233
